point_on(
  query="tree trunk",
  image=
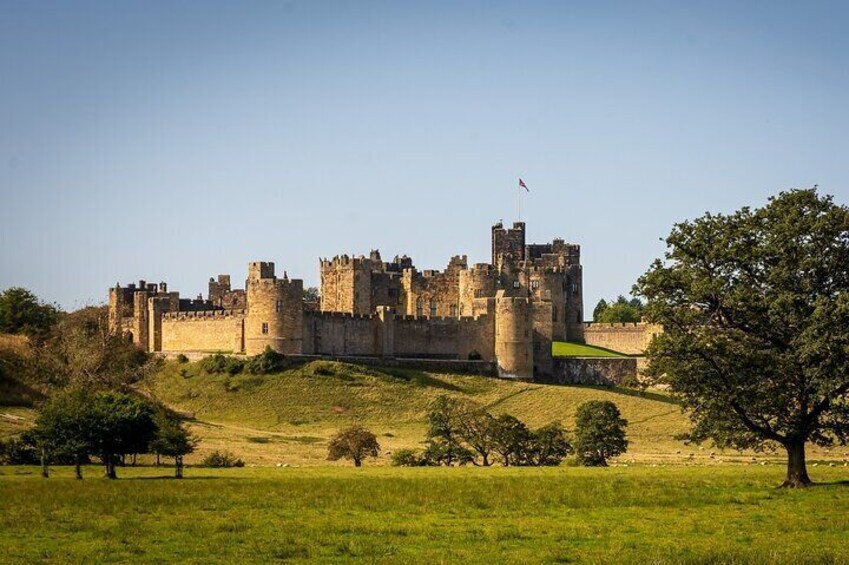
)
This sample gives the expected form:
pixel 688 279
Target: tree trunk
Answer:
pixel 44 472
pixel 78 471
pixel 109 460
pixel 178 466
pixel 357 462
pixel 797 470
pixel 157 460
pixel 134 460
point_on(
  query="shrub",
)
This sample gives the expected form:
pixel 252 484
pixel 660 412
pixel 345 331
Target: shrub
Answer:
pixel 407 458
pixel 182 359
pixel 221 459
pixel 599 433
pixel 218 364
pixel 17 451
pixel 267 362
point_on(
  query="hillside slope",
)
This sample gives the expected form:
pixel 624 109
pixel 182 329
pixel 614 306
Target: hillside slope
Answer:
pixel 288 417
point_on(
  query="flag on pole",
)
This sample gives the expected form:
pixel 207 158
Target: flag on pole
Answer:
pixel 523 185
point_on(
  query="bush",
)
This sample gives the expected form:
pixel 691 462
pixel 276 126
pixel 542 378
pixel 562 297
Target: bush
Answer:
pixel 17 451
pixel 219 364
pixel 407 458
pixel 221 459
pixel 182 359
pixel 267 362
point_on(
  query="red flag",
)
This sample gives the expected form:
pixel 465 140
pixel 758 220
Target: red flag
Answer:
pixel 523 185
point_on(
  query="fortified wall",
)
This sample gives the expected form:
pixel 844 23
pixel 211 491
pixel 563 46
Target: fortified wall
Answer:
pixel 506 311
pixel 627 338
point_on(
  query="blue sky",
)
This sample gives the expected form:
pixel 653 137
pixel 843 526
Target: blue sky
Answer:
pixel 178 140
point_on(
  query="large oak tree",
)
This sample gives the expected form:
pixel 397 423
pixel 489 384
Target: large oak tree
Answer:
pixel 755 311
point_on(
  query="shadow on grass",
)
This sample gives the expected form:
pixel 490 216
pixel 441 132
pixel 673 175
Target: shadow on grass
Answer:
pixel 419 378
pixel 656 396
pixel 173 478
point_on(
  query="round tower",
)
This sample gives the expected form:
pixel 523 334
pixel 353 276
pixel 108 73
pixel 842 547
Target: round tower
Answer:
pixel 275 311
pixel 514 350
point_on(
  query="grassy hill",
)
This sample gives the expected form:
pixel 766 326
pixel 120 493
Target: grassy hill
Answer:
pixel 288 418
pixel 569 349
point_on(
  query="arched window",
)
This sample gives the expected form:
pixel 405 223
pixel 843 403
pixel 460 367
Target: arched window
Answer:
pixel 453 310
pixel 433 306
pixel 418 307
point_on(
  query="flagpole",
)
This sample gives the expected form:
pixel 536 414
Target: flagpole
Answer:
pixel 519 204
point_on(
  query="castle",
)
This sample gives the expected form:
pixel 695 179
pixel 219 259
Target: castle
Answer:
pixel 507 311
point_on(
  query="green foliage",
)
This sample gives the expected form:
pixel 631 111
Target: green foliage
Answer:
pixel 221 459
pixel 182 358
pixel 622 310
pixel 266 363
pixel 312 294
pixel 407 458
pixel 755 310
pixel 21 312
pixel 511 438
pixel 221 364
pixel 18 451
pixel 599 433
pixel 445 444
pixel 354 443
pixel 548 446
pixel 76 423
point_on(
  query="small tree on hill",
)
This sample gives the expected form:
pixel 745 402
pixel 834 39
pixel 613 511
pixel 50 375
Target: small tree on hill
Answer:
pixel 354 443
pixel 67 426
pixel 599 433
pixel 755 311
pixel 446 442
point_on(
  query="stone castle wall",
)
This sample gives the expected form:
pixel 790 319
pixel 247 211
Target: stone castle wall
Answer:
pixel 213 331
pixel 627 338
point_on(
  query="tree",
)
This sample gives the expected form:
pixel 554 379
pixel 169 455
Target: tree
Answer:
pixel 67 426
pixel 21 312
pixel 474 426
pixel 82 351
pixel 622 310
pixel 599 433
pixel 548 446
pixel 312 294
pixel 755 311
pixel 510 438
pixel 125 424
pixel 355 443
pixel 599 308
pixel 172 439
pixel 444 432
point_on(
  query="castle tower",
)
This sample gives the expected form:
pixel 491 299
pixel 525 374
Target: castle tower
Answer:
pixel 514 336
pixel 508 245
pixel 346 285
pixel 275 313
pixel 476 283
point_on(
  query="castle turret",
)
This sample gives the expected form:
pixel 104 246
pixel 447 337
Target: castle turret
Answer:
pixel 514 336
pixel 275 312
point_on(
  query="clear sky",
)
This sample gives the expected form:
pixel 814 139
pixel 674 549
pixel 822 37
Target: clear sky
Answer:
pixel 178 140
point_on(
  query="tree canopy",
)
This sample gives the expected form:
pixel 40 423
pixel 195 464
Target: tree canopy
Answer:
pixel 354 443
pixel 599 433
pixel 755 311
pixel 622 310
pixel 21 312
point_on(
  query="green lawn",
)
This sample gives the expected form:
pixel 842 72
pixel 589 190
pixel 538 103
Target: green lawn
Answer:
pixel 567 349
pixel 425 515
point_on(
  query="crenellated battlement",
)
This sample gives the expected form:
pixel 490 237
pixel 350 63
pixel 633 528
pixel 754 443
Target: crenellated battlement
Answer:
pixel 203 314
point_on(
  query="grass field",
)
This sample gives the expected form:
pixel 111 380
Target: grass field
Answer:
pixel 567 349
pixel 425 515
